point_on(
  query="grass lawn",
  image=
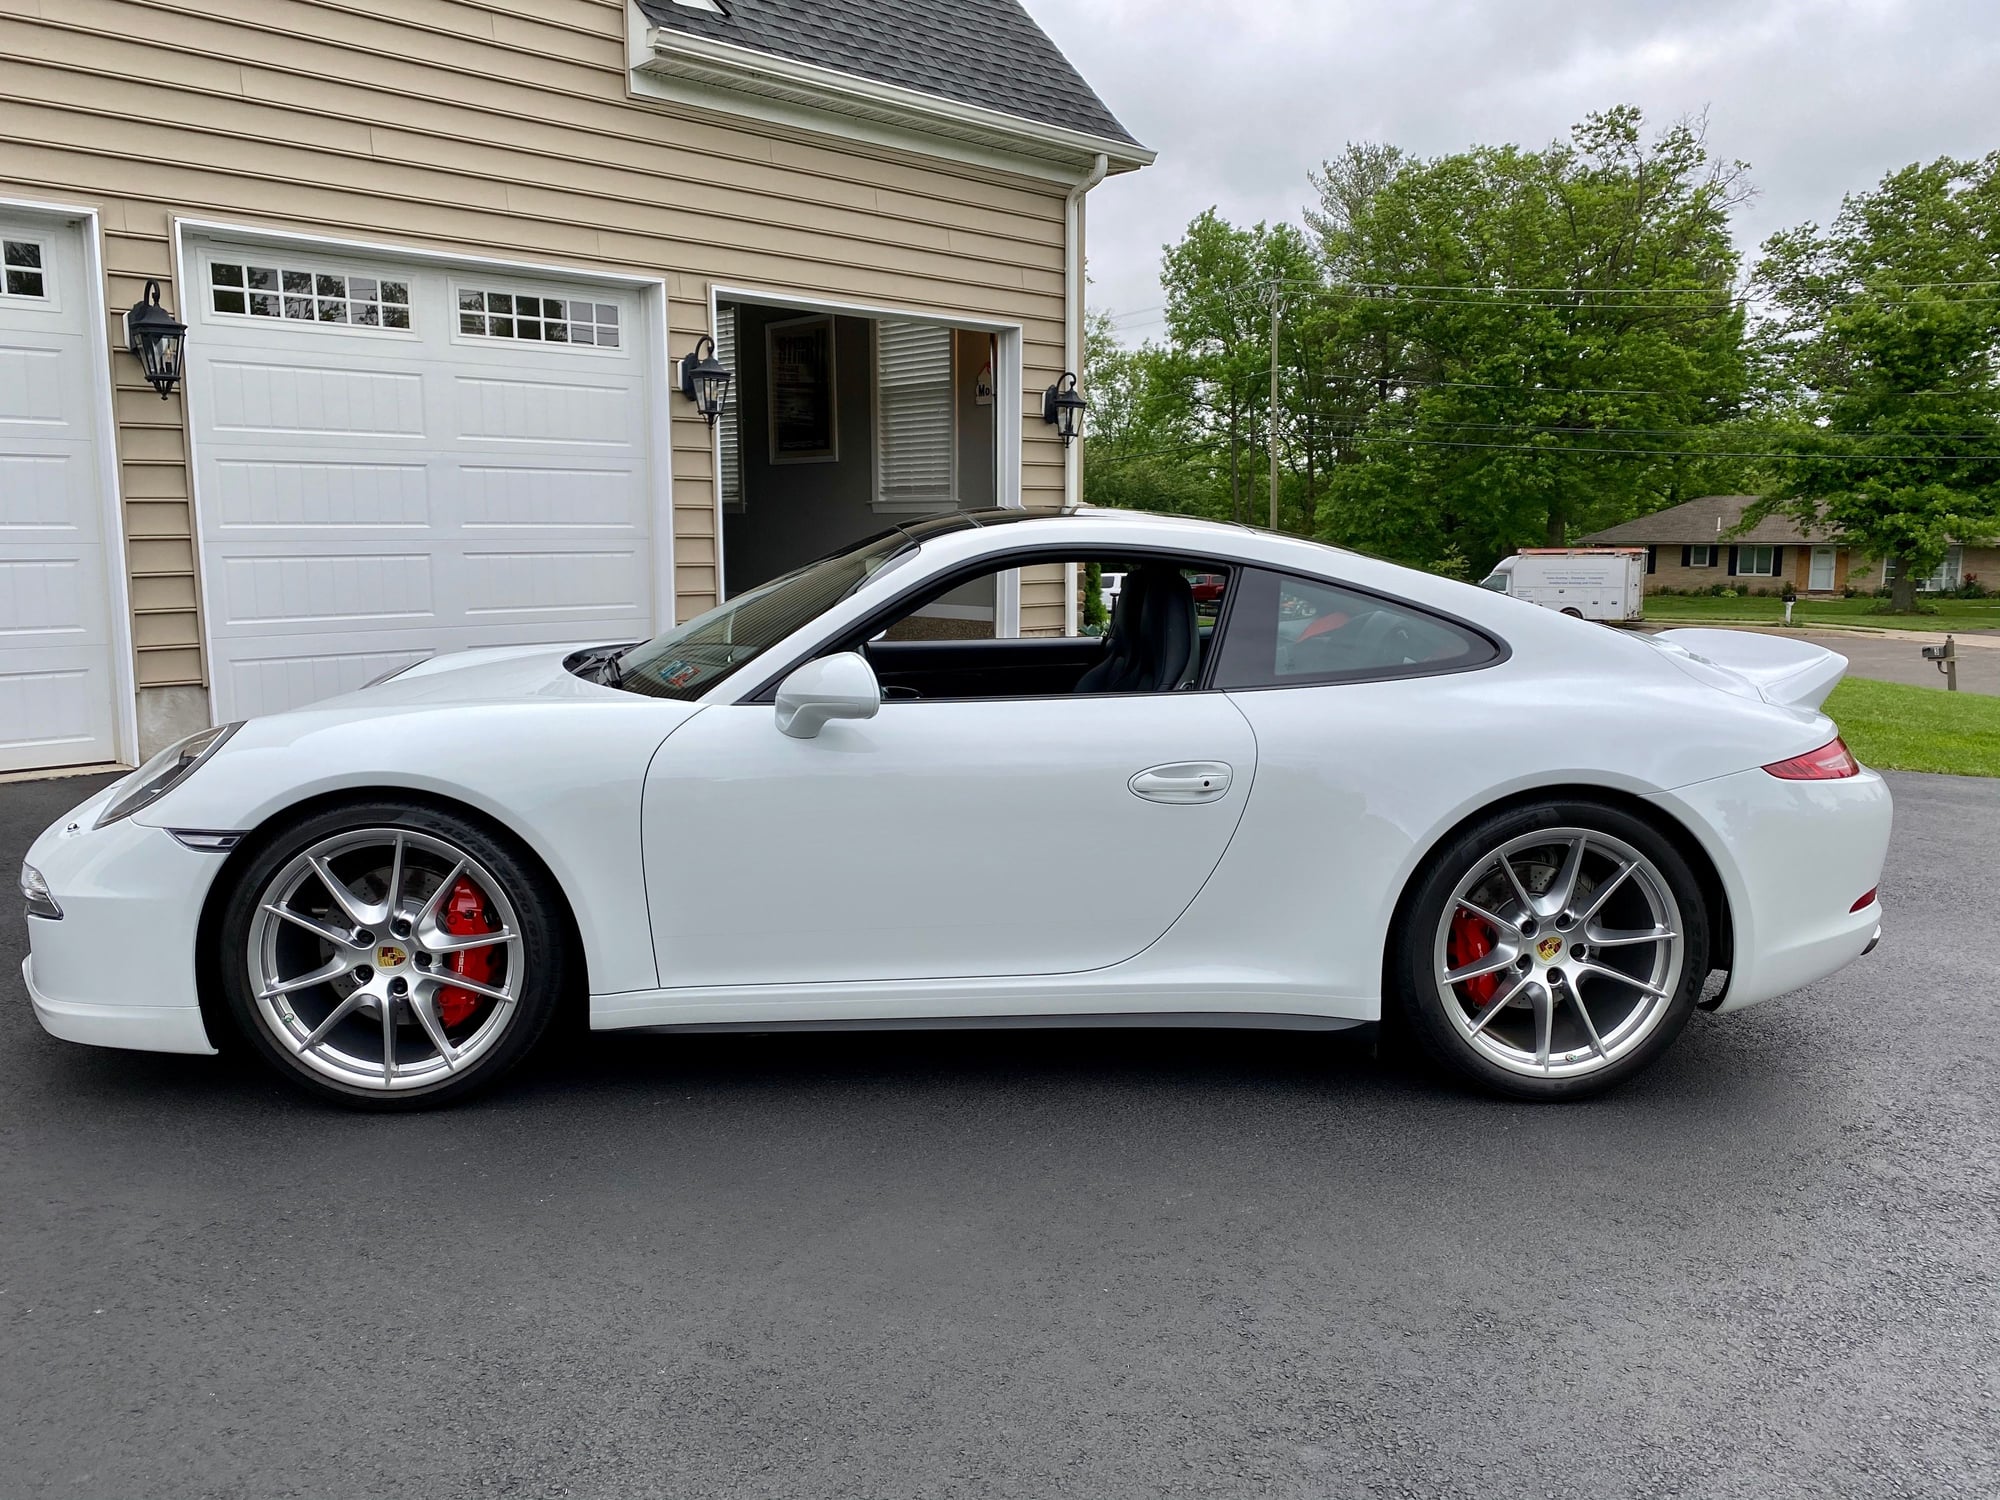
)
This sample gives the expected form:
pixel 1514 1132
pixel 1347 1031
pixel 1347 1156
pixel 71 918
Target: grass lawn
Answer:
pixel 1705 609
pixel 1892 727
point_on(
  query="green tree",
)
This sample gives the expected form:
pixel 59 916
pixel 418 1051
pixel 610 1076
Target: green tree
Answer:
pixel 1886 331
pixel 1145 447
pixel 1215 360
pixel 1535 336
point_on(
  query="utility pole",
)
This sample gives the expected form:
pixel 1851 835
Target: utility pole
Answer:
pixel 1273 437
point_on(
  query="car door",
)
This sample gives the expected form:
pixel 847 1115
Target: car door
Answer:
pixel 939 839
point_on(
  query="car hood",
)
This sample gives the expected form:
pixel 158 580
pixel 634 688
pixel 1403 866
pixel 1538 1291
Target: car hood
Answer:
pixel 495 674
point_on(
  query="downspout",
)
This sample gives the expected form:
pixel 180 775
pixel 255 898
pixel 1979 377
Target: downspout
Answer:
pixel 1073 313
pixel 1073 355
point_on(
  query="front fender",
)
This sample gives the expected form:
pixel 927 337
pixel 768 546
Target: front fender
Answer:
pixel 565 777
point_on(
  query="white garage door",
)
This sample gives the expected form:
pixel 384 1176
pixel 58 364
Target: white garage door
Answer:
pixel 396 460
pixel 56 681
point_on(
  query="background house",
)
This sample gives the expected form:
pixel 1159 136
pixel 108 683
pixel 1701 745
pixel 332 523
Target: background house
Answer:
pixel 1696 545
pixel 437 260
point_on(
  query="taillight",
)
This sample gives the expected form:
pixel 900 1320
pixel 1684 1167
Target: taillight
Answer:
pixel 1866 899
pixel 1828 763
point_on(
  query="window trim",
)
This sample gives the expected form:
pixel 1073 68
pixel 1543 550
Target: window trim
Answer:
pixel 880 618
pixel 46 299
pixel 1688 552
pixel 1255 578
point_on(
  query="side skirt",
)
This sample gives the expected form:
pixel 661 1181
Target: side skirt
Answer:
pixel 1200 1020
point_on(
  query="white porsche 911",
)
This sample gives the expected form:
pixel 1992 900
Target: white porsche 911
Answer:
pixel 1328 785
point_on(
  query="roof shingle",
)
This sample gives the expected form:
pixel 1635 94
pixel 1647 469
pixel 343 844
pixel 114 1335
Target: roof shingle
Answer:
pixel 1711 518
pixel 987 53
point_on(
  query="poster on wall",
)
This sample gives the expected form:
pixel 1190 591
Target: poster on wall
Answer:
pixel 798 356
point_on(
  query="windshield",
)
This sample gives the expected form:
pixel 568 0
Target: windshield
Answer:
pixel 690 659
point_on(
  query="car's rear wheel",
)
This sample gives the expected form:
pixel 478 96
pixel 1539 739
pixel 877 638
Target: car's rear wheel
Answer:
pixel 1553 950
pixel 391 955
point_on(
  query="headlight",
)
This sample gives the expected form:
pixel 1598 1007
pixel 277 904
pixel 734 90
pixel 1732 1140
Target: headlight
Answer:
pixel 36 890
pixel 164 772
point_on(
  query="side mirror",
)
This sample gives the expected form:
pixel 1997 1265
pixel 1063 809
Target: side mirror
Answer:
pixel 830 687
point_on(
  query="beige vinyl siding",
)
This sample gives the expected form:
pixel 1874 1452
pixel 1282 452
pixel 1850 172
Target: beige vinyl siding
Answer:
pixel 490 127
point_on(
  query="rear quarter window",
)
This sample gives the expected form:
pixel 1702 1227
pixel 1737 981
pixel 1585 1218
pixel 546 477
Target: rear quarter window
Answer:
pixel 1286 631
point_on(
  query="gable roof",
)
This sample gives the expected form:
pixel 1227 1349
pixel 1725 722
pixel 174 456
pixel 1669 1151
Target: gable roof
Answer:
pixel 1710 519
pixel 987 53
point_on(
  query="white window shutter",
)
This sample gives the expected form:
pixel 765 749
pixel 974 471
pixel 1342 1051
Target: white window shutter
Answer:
pixel 913 416
pixel 728 428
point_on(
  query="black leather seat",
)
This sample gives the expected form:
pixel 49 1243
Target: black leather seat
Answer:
pixel 1154 640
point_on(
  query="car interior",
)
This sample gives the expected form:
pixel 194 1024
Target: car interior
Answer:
pixel 1162 622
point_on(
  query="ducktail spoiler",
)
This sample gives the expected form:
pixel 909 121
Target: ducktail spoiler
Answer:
pixel 1794 674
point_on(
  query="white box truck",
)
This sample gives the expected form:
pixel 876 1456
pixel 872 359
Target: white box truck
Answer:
pixel 1592 583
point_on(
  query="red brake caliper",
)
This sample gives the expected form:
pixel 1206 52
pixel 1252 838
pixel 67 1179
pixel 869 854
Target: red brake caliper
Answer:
pixel 1470 942
pixel 464 914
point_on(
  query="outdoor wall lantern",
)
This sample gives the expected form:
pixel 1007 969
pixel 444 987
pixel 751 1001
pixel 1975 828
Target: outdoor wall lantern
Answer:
pixel 1063 408
pixel 158 338
pixel 705 380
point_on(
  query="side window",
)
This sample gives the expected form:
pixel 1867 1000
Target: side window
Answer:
pixel 1286 630
pixel 1156 619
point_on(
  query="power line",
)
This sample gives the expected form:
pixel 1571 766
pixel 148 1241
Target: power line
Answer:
pixel 1575 452
pixel 1101 455
pixel 1414 382
pixel 1357 423
pixel 1466 295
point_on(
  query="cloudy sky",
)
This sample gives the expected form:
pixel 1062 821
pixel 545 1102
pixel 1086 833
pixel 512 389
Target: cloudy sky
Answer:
pixel 1240 99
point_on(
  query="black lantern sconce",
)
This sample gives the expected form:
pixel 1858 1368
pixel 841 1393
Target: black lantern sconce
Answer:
pixel 157 338
pixel 705 380
pixel 1063 408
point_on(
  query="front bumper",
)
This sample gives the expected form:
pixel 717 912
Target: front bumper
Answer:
pixel 117 970
pixel 1793 856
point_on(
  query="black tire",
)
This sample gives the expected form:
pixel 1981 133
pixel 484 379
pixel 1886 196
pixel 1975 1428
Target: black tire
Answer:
pixel 1420 947
pixel 1573 612
pixel 538 965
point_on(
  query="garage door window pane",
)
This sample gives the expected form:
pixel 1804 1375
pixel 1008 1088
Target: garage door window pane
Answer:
pixel 486 313
pixel 239 289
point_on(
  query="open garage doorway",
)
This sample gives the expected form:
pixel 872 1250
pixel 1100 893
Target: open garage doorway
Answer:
pixel 842 423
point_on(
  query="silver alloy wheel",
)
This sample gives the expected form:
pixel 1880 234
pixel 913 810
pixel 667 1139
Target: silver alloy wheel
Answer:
pixel 349 956
pixel 1559 952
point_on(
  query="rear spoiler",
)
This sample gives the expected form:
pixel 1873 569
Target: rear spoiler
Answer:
pixel 1793 674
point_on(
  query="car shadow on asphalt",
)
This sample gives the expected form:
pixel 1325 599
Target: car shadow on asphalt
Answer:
pixel 615 1074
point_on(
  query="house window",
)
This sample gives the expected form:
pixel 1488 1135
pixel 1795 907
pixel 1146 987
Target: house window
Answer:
pixel 549 320
pixel 1757 562
pixel 1946 575
pixel 729 426
pixel 913 417
pixel 1699 557
pixel 240 289
pixel 27 271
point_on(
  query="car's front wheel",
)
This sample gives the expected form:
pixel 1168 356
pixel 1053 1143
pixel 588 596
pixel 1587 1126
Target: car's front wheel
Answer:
pixel 391 955
pixel 1553 950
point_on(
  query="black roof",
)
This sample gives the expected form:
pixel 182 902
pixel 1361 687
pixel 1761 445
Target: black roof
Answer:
pixel 988 53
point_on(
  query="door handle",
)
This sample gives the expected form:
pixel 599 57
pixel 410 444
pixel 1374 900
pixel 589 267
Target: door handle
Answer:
pixel 1183 781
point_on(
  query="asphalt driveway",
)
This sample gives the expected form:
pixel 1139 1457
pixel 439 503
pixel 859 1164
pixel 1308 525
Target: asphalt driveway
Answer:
pixel 1070 1264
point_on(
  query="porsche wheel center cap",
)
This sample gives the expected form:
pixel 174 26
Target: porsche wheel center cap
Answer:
pixel 389 956
pixel 1546 950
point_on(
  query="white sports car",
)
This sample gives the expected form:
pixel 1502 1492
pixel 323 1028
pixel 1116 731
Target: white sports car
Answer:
pixel 1332 785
